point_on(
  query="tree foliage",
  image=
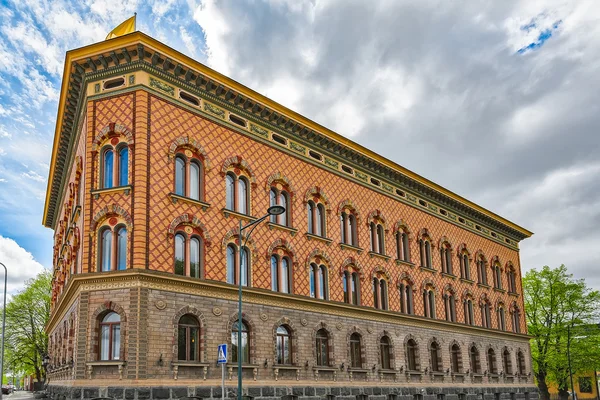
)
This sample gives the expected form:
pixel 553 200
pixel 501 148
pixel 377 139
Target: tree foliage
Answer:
pixel 27 314
pixel 562 315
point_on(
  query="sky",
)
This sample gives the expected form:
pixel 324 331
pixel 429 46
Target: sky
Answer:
pixel 494 100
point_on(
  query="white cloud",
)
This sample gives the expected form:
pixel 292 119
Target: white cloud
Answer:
pixel 19 262
pixel 33 176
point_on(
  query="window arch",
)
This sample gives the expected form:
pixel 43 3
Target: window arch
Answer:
pixel 464 259
pixel 189 175
pixel 322 347
pixel 385 352
pixel 475 361
pixel 281 274
pixel 280 197
pixel 283 345
pixel 402 245
pixel 485 307
pixel 455 359
pixel 516 318
pixel 497 273
pixel 348 230
pixel 406 297
pixel 429 302
pixel 243 349
pixel 237 193
pixel 435 356
pixel 425 246
pixel 501 317
pixel 351 286
pixel 468 311
pixel 481 268
pixel 380 293
pixel 189 254
pixel 110 337
pixel 491 360
pixel 412 355
pixel 446 257
pixel 450 305
pixel 188 338
pixel 235 272
pixel 112 248
pixel 356 355
pixel 319 282
pixel 521 369
pixel 506 362
pixel 316 218
pixel 377 233
pixel 511 278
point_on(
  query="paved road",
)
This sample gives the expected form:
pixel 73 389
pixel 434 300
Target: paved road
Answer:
pixel 18 395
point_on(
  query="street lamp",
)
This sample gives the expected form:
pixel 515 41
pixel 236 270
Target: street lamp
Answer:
pixel 3 328
pixel 273 210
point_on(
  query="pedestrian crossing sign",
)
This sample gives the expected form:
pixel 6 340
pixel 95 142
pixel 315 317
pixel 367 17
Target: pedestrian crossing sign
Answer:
pixel 222 354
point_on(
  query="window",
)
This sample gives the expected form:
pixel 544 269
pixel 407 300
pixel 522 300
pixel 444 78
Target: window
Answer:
pixel 237 194
pixel 465 267
pixel 112 248
pixel 506 363
pixel 385 352
pixel 233 267
pixel 455 359
pixel 114 167
pixel 436 357
pixel 497 276
pixel 450 306
pixel 585 384
pixel 377 238
pixel 110 337
pixel 481 271
pixel 491 360
pixel 406 298
pixel 280 198
pixel 322 347
pixel 501 319
pixel 402 247
pixel 188 255
pixel 316 219
pixel 108 168
pixel 411 355
pixel 446 257
pixel 512 285
pixel 485 315
pixel 429 303
pixel 123 166
pixel 318 282
pixel 516 318
pixel 188 334
pixel 244 349
pixel 280 274
pixel 469 317
pixel 351 287
pixel 380 297
pixel 474 356
pixel 355 352
pixel 284 352
pixel 425 247
pixel 521 363
pixel 348 228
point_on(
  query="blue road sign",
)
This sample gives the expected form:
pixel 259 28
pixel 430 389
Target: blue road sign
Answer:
pixel 222 355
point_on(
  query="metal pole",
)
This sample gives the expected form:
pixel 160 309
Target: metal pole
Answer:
pixel 223 381
pixel 239 341
pixel 3 327
pixel 573 395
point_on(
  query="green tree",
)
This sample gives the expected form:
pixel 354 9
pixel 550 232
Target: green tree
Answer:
pixel 561 315
pixel 27 314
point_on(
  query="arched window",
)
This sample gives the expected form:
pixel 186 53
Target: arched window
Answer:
pixel 516 318
pixel 280 198
pixel 351 285
pixel 348 228
pixel 425 250
pixel 402 247
pixel 380 293
pixel 188 255
pixel 481 271
pixel 112 248
pixel 501 319
pixel 123 166
pixel 121 248
pixel 485 315
pixel 491 360
pixel 108 168
pixel 377 238
pixel 465 265
pixel 316 219
pixel 243 350
pixel 355 351
pixel 322 347
pixel 284 347
pixel 450 306
pixel 446 258
pixel 234 272
pixel 188 335
pixel 194 183
pixel 436 357
pixel 237 193
pixel 106 249
pixel 455 359
pixel 110 337
pixel 189 177
pixel 521 363
pixel 512 285
pixel 180 176
pixel 406 298
pixel 385 353
pixel 475 363
pixel 411 355
pixel 497 276
pixel 469 317
pixel 318 282
pixel 429 303
pixel 506 362
pixel 280 274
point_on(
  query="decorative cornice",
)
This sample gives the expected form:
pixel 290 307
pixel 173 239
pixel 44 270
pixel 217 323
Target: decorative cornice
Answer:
pixel 139 51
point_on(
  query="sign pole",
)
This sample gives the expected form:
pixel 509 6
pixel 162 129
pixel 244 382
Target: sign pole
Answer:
pixel 221 359
pixel 223 381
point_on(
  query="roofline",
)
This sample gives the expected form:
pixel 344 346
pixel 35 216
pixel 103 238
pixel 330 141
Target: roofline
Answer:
pixel 135 37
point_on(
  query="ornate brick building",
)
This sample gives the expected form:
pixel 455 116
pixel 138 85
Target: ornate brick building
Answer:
pixel 375 282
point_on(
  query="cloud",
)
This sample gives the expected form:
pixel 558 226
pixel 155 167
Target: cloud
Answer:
pixel 19 262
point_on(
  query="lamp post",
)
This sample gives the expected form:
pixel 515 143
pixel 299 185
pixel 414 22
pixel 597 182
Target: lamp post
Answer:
pixel 3 328
pixel 273 210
